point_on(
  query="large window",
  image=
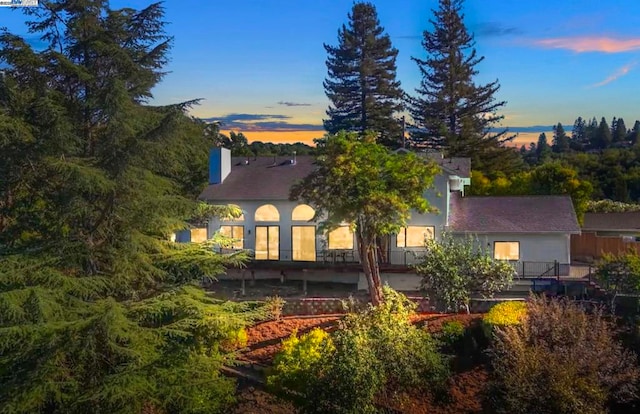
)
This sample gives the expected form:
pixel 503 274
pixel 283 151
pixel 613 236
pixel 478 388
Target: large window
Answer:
pixel 414 236
pixel 303 212
pixel 267 243
pixel 303 241
pixel 341 238
pixel 236 233
pixel 267 212
pixel 506 250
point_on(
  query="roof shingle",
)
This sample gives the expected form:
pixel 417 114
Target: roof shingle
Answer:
pixel 512 214
pixel 260 179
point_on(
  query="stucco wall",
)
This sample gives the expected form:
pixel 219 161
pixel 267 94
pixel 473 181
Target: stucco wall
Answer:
pixel 533 247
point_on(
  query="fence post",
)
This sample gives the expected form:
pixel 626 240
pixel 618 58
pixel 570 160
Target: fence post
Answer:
pixel 523 273
pixel 556 269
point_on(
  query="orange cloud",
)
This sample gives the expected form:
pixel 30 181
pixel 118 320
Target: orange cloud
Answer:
pixel 590 44
pixel 617 74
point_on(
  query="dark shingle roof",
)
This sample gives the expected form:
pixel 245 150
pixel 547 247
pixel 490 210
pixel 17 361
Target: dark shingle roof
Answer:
pixel 629 221
pixel 260 179
pixel 459 166
pixel 518 214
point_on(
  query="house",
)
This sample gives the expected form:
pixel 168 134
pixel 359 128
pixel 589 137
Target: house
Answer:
pixel 603 233
pixel 277 229
pixel 534 232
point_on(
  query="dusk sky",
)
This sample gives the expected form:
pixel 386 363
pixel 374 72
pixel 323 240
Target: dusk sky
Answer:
pixel 260 64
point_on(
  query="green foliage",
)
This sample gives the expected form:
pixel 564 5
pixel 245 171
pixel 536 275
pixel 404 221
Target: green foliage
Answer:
pixel 503 314
pixel 619 274
pixel 99 313
pixel 560 360
pixel 452 112
pixel 452 270
pixel 300 360
pixel 359 181
pixel 451 333
pixel 375 354
pixel 361 81
pixel 610 206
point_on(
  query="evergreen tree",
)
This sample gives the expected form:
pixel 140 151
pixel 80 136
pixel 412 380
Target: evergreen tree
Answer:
pixel 591 133
pixel 451 112
pixel 361 82
pixel 634 136
pixel 579 134
pixel 543 151
pixel 602 137
pixel 619 131
pixel 560 139
pixel 99 312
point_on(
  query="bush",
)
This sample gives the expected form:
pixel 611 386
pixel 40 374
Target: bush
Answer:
pixel 561 360
pixel 376 353
pixel 504 314
pixel 237 339
pixel 297 365
pixel 451 335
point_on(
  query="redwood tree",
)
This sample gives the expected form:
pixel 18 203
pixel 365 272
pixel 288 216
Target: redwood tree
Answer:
pixel 360 182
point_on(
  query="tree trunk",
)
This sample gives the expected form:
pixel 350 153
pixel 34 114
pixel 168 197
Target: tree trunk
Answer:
pixel 370 268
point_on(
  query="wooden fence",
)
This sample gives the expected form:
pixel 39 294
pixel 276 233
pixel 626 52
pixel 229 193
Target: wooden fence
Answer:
pixel 589 245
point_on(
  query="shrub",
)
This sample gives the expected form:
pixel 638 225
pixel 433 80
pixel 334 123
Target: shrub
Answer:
pixel 297 365
pixel 274 306
pixel 237 339
pixel 561 360
pixel 375 353
pixel 504 314
pixel 451 334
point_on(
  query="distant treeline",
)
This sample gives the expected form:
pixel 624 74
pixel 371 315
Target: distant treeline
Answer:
pixel 240 147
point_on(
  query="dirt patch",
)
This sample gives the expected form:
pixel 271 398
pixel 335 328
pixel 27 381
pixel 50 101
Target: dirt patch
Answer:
pixel 433 322
pixel 256 401
pixel 265 339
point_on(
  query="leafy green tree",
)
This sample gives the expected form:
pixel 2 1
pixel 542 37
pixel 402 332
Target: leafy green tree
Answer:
pixel 453 270
pixel 451 112
pixel 99 312
pixel 360 182
pixel 361 82
pixel 560 139
pixel 619 274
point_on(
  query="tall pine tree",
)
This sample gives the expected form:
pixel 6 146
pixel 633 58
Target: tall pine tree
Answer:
pixel 99 312
pixel 361 82
pixel 560 139
pixel 451 112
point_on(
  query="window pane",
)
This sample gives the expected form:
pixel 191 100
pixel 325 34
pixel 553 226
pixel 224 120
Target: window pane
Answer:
pixel 506 250
pixel 414 236
pixel 234 232
pixel 198 235
pixel 303 212
pixel 267 212
pixel 262 243
pixel 341 238
pixel 304 243
pixel 274 242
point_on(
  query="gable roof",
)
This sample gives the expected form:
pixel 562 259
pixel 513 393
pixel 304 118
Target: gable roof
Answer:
pixel 512 214
pixel 629 221
pixel 455 166
pixel 260 179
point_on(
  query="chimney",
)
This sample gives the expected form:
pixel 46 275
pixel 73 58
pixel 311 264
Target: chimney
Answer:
pixel 219 165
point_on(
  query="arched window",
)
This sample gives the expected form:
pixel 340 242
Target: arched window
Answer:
pixel 303 212
pixel 267 212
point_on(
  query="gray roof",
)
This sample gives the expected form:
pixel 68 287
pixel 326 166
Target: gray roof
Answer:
pixel 456 165
pixel 260 179
pixel 629 221
pixel 512 214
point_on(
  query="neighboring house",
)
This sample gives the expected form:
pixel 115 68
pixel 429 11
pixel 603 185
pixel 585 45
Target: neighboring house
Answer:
pixel 277 229
pixel 534 232
pixel 602 233
pixel 531 231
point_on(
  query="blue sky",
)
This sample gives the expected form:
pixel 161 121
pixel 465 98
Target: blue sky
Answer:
pixel 261 63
